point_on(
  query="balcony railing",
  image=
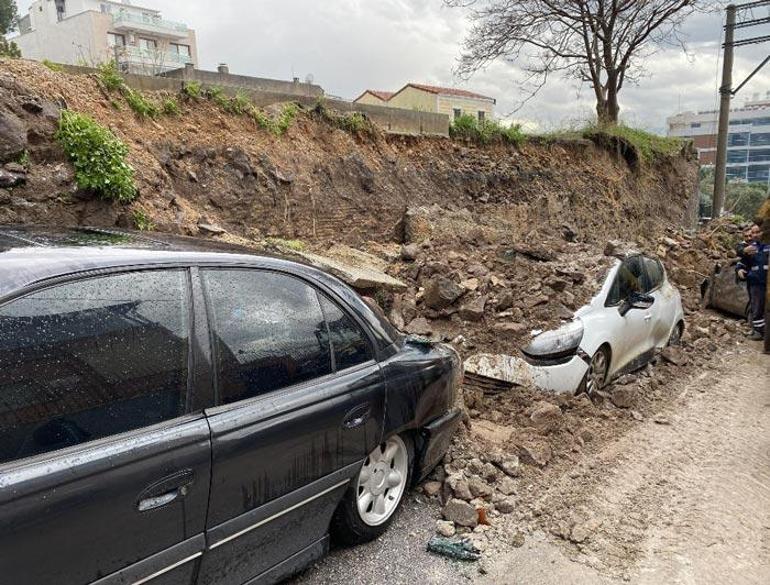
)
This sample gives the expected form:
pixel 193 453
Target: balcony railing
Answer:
pixel 147 22
pixel 160 59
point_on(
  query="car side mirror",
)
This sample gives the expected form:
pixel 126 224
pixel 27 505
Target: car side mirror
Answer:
pixel 636 301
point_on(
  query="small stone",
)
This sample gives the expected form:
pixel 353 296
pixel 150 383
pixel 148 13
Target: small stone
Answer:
pixel 479 488
pixel 623 397
pixel 489 472
pixel 446 528
pixel 511 466
pixel 472 284
pixel 460 487
pixel 539 454
pixel 473 311
pixel 674 355
pixel 431 488
pixel 461 513
pixel 441 293
pixel 506 486
pixel 545 415
pixel 192 176
pixel 409 252
pixel 14 167
pixel 9 180
pixel 505 506
pixel 211 229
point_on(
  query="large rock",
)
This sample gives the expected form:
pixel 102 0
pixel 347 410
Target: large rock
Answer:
pixel 460 487
pixel 441 293
pixel 461 513
pixel 539 454
pixel 674 355
pixel 360 270
pixel 9 180
pixel 479 488
pixel 13 137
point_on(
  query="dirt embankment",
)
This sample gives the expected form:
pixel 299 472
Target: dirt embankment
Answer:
pixel 317 182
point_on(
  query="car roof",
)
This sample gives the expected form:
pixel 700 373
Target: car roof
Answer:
pixel 29 255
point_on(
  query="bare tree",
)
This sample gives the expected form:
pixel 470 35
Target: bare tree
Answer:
pixel 602 42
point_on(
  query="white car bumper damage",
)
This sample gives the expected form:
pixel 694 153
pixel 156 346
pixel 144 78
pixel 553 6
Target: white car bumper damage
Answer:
pixel 560 378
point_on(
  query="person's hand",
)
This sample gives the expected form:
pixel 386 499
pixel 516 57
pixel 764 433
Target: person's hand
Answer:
pixel 742 274
pixel 750 250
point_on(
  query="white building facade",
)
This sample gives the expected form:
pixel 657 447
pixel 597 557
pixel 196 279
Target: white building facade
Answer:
pixel 748 142
pixel 90 32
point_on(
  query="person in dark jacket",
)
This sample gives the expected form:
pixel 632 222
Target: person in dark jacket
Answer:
pixel 743 262
pixel 753 268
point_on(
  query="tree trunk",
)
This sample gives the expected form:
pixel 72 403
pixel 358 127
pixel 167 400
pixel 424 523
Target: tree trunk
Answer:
pixel 607 107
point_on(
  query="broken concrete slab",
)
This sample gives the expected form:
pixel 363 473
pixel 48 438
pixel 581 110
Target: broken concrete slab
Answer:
pixel 360 270
pixel 503 367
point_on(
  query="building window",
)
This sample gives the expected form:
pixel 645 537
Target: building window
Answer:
pixel 105 8
pixel 759 155
pixel 738 139
pixel 760 122
pixel 181 50
pixel 115 40
pixel 695 125
pixel 457 113
pixel 481 116
pixel 760 139
pixel 737 156
pixel 148 44
pixel 734 173
pixel 759 174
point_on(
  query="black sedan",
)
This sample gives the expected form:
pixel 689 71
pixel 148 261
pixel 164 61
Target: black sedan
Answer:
pixel 171 413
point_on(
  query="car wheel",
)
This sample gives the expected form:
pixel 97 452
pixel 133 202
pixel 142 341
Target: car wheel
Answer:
pixel 676 335
pixel 376 493
pixel 596 377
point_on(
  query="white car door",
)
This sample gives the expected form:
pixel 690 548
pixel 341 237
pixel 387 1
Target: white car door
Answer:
pixel 631 331
pixel 663 311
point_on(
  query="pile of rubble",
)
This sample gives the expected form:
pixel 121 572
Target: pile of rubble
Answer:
pixel 484 293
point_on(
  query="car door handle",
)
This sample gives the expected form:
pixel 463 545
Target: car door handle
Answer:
pixel 166 491
pixel 357 416
pixel 647 317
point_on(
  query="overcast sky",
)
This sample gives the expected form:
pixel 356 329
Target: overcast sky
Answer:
pixel 351 45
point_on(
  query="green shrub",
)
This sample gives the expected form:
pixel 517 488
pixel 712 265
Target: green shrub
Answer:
pixel 468 127
pixel 238 105
pixel 53 66
pixel 286 119
pixel 192 89
pixel 9 48
pixel 98 156
pixel 110 76
pixel 142 221
pixel 293 245
pixel 142 106
pixel 24 158
pixel 262 119
pixel 171 107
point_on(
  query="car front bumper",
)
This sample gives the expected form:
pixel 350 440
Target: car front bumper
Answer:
pixel 436 437
pixel 560 378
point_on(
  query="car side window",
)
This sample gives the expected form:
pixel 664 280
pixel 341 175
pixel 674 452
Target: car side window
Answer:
pixel 655 273
pixel 349 342
pixel 92 358
pixel 631 278
pixel 268 332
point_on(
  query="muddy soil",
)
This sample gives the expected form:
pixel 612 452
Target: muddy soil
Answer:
pixel 682 496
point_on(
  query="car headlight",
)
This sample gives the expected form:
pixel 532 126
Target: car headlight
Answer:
pixel 559 343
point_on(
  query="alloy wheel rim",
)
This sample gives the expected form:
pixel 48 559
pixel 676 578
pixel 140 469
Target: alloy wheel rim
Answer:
pixel 382 481
pixel 676 336
pixel 598 372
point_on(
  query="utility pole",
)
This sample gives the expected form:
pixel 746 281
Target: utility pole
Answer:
pixel 726 90
pixel 726 94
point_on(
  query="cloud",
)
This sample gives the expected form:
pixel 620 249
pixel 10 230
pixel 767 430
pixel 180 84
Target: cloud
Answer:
pixel 351 45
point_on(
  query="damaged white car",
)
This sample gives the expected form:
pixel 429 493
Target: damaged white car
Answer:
pixel 636 312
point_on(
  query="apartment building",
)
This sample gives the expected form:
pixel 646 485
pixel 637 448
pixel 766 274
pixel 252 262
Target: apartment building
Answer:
pixel 430 98
pixel 89 32
pixel 748 142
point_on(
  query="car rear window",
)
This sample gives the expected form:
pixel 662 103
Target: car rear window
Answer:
pixel 655 273
pixel 349 343
pixel 92 358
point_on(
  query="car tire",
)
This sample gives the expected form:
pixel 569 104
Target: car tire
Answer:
pixel 376 493
pixel 675 338
pixel 596 376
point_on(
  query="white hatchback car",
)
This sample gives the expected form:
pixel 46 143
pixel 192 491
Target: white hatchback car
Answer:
pixel 637 312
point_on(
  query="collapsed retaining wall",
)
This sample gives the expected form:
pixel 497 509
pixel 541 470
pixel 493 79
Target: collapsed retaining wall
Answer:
pixel 320 183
